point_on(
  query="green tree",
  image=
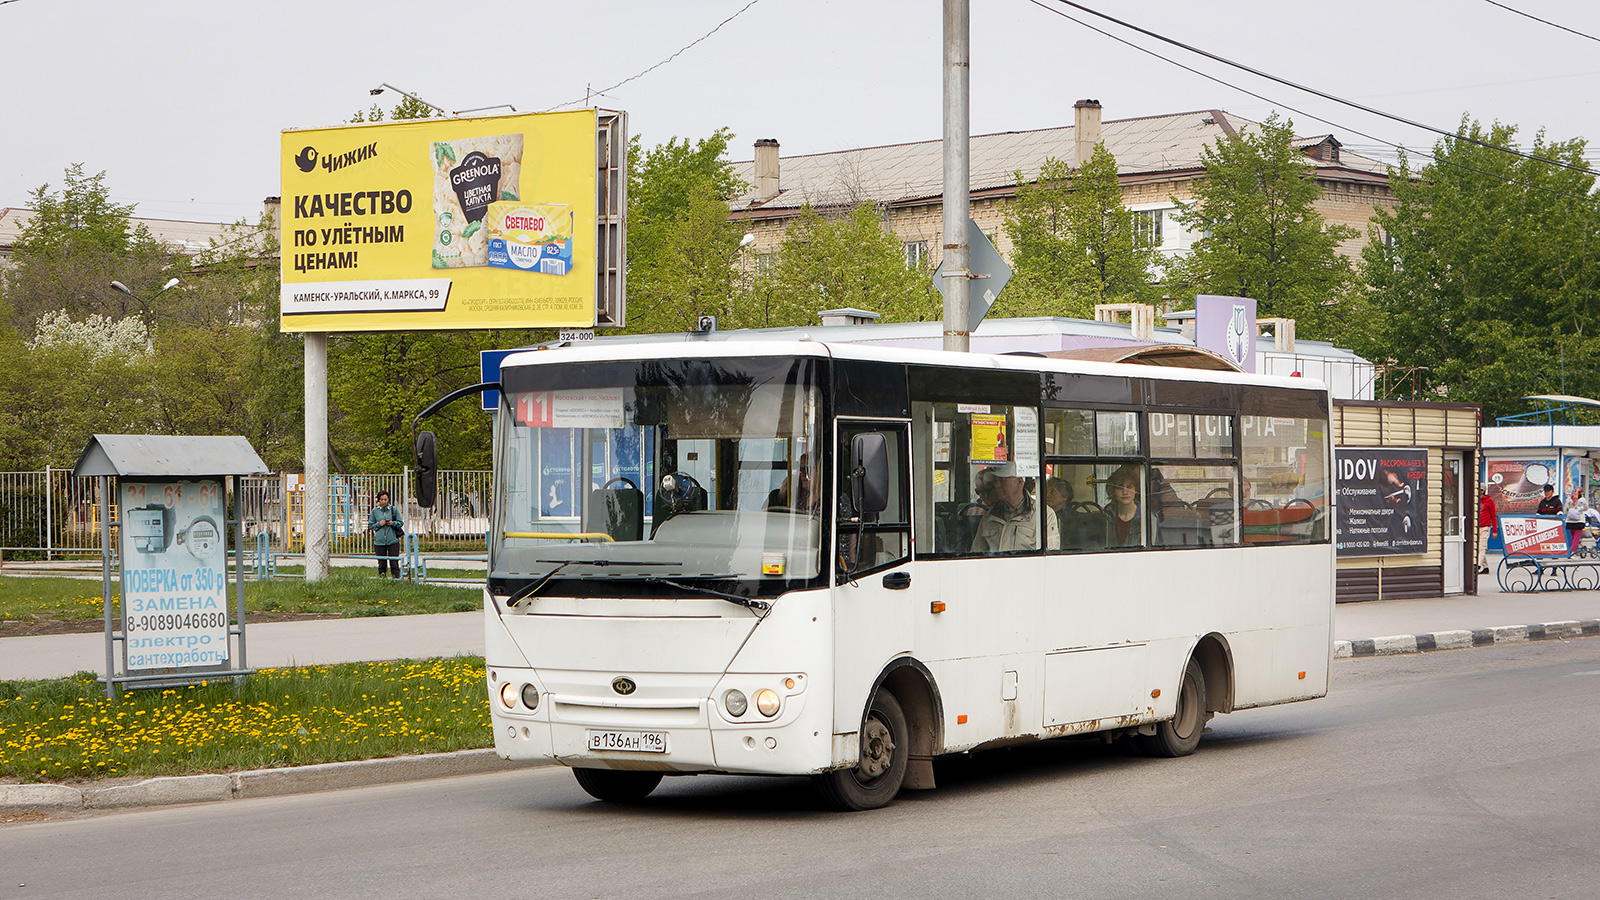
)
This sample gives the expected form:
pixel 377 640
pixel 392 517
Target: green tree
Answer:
pixel 1074 244
pixel 77 242
pixel 1486 273
pixel 1261 236
pixel 683 252
pixel 849 261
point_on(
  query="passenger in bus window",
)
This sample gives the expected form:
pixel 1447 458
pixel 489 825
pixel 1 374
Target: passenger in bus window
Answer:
pixel 1127 519
pixel 1057 499
pixel 1012 523
pixel 796 492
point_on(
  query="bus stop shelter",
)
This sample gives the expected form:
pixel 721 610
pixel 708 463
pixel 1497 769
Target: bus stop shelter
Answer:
pixel 172 619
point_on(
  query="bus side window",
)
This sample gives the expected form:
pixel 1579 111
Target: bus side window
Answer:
pixel 872 541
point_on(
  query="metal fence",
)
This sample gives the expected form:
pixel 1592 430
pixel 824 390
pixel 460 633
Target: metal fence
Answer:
pixel 54 514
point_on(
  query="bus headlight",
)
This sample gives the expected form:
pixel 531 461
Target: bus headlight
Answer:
pixel 767 702
pixel 735 703
pixel 508 695
pixel 530 696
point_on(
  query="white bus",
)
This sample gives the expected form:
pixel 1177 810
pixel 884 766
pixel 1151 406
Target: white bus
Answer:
pixel 843 561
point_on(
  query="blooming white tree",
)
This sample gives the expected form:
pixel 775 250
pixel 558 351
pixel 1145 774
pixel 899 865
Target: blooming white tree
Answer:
pixel 101 336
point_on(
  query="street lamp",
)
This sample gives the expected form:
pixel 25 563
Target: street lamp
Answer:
pixel 147 307
pixel 441 110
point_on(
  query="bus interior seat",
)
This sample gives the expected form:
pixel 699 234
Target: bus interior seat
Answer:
pixel 618 511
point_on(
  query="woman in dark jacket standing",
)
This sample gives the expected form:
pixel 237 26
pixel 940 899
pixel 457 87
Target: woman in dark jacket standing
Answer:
pixel 386 527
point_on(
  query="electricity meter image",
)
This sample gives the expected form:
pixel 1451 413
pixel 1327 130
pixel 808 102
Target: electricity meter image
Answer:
pixel 150 529
pixel 202 538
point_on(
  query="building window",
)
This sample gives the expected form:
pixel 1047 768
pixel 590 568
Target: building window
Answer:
pixel 766 263
pixel 916 254
pixel 1147 226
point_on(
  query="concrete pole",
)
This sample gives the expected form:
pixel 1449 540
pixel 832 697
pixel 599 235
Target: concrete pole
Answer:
pixel 316 456
pixel 957 184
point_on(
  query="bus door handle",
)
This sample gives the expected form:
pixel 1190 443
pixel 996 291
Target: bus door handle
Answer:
pixel 897 581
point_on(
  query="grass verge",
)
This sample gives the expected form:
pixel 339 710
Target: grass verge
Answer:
pixel 64 729
pixel 345 593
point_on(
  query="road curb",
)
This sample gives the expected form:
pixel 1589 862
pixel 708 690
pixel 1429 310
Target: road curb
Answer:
pixel 1398 644
pixel 45 798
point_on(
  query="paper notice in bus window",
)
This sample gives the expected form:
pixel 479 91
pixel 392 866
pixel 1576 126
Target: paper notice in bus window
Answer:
pixel 772 563
pixel 1025 442
pixel 586 409
pixel 989 443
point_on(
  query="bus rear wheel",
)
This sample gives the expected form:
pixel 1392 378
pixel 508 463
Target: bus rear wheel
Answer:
pixel 885 751
pixel 1180 735
pixel 617 787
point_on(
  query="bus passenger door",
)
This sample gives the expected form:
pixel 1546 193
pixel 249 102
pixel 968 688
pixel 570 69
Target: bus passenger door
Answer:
pixel 872 604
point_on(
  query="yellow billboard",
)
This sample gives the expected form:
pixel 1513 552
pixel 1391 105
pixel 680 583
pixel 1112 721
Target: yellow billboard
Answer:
pixel 428 224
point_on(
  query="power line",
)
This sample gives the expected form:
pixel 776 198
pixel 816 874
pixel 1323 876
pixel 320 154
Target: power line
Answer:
pixel 680 52
pixel 1272 103
pixel 1319 93
pixel 1545 21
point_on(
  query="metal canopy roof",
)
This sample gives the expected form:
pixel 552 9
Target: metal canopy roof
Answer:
pixel 157 455
pixel 1564 399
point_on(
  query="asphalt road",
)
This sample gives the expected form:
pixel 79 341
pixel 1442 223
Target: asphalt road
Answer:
pixel 1462 775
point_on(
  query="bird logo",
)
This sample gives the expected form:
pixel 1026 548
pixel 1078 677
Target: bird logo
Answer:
pixel 307 160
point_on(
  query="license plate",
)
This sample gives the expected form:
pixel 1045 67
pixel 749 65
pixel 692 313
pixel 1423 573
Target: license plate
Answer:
pixel 630 741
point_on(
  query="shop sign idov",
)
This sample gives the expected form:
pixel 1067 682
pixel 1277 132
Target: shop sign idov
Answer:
pixel 440 224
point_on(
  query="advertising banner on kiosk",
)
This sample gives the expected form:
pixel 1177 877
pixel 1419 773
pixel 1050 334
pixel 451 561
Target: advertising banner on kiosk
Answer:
pixel 1383 501
pixel 1517 485
pixel 437 224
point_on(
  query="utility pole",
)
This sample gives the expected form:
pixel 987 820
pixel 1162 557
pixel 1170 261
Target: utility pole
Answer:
pixel 957 184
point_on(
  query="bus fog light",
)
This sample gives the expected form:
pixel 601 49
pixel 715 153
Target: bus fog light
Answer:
pixel 767 702
pixel 735 703
pixel 530 696
pixel 508 695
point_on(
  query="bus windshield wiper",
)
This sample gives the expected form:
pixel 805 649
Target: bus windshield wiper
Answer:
pixel 528 590
pixel 759 607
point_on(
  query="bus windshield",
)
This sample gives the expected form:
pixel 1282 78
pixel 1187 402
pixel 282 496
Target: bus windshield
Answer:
pixel 612 476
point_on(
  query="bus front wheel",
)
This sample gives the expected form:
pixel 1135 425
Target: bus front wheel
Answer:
pixel 1180 735
pixel 617 787
pixel 885 750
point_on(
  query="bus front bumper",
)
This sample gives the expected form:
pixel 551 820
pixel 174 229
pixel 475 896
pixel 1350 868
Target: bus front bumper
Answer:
pixel 669 722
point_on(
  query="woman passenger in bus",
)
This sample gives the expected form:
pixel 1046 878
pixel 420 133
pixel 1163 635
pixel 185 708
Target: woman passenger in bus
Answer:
pixel 1012 522
pixel 796 492
pixel 1127 521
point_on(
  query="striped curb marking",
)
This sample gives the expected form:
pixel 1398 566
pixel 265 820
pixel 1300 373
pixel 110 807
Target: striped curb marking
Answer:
pixel 1395 645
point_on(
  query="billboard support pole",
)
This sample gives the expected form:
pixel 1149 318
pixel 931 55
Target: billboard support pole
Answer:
pixel 957 185
pixel 316 456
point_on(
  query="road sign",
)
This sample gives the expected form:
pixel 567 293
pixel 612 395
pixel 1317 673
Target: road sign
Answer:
pixel 988 271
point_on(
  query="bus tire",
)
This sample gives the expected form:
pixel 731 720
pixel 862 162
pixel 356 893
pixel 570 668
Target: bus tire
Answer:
pixel 1180 735
pixel 617 787
pixel 885 752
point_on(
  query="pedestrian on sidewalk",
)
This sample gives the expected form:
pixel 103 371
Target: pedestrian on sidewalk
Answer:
pixel 1551 504
pixel 1488 524
pixel 386 527
pixel 1574 512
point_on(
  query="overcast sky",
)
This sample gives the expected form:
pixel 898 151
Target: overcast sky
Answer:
pixel 181 102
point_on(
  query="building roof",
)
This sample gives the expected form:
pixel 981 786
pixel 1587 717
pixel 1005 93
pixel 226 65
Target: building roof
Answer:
pixel 1509 437
pixel 185 237
pixel 900 173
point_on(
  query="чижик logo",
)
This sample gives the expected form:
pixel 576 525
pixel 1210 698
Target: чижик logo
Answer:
pixel 307 160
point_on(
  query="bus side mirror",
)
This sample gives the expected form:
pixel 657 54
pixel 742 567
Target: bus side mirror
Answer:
pixel 426 459
pixel 869 473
